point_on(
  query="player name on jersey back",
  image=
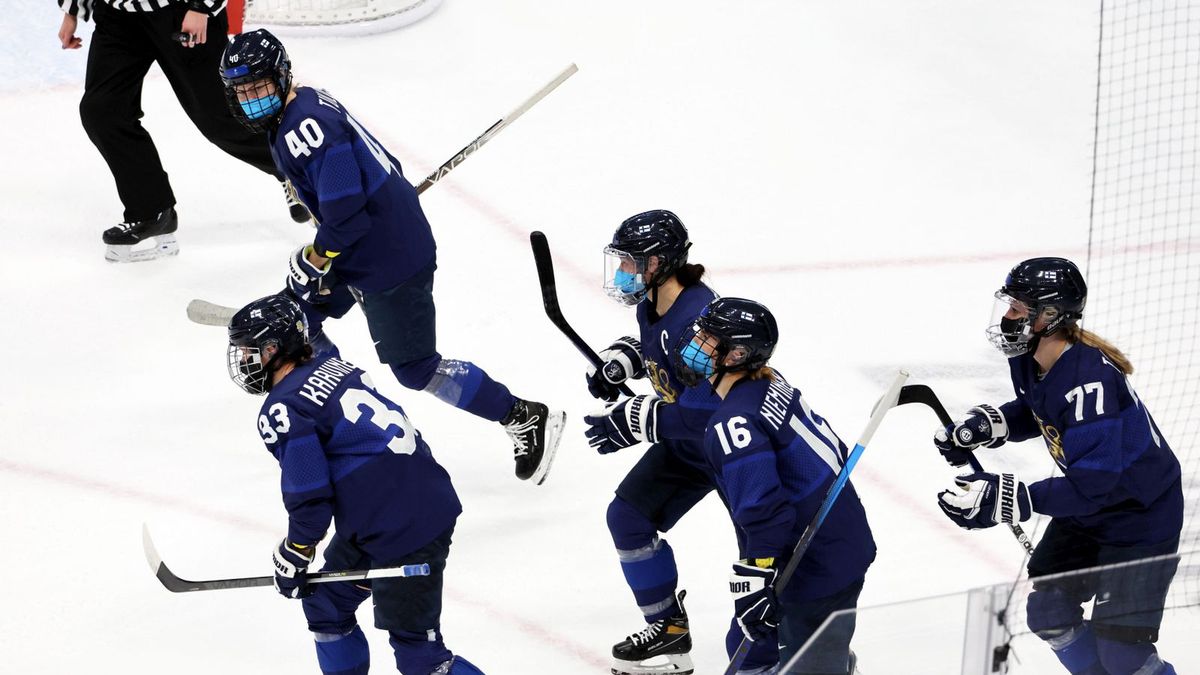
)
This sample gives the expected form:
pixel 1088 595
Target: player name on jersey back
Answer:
pixel 776 401
pixel 325 379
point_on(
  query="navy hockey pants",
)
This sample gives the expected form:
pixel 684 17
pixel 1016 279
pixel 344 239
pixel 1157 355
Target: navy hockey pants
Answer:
pixel 403 324
pixel 1129 599
pixel 408 608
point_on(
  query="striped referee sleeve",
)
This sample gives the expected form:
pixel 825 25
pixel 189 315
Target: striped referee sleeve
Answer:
pixel 78 8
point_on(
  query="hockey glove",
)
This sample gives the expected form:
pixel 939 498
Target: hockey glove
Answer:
pixel 984 426
pixel 291 569
pixel 623 424
pixel 986 499
pixel 304 279
pixel 754 599
pixel 622 361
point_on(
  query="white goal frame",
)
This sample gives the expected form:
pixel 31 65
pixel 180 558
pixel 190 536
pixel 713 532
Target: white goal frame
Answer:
pixel 334 17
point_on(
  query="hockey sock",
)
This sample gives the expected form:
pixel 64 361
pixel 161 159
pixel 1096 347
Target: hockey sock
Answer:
pixel 463 385
pixel 647 561
pixel 1076 650
pixel 418 653
pixel 1127 657
pixel 343 654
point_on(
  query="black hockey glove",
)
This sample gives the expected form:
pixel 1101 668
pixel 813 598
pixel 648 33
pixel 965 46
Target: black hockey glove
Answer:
pixel 626 423
pixel 305 280
pixel 291 569
pixel 984 426
pixel 754 598
pixel 622 361
pixel 985 500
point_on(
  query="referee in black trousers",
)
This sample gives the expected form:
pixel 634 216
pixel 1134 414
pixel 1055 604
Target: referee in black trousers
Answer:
pixel 186 39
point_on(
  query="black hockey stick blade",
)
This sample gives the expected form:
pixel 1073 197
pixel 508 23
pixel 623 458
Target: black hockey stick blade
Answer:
pixel 545 271
pixel 176 584
pixel 921 393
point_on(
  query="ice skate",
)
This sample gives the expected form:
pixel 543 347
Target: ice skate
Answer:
pixel 143 240
pixel 662 647
pixel 535 431
pixel 296 209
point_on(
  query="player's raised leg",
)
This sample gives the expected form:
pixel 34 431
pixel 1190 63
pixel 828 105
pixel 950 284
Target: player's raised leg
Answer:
pixel 402 321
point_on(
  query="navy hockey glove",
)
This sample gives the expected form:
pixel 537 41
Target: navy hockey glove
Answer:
pixel 754 600
pixel 986 499
pixel 622 361
pixel 984 426
pixel 304 279
pixel 623 424
pixel 291 569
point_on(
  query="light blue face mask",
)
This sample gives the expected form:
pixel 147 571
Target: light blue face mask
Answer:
pixel 627 282
pixel 262 107
pixel 697 360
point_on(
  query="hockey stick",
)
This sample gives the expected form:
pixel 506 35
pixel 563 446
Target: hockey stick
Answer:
pixel 211 314
pixel 921 393
pixel 545 272
pixel 178 585
pixel 491 131
pixel 207 313
pixel 891 398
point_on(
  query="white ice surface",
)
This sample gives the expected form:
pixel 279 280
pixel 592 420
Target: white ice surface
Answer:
pixel 869 170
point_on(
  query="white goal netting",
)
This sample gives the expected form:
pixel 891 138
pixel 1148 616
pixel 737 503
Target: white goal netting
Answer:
pixel 333 17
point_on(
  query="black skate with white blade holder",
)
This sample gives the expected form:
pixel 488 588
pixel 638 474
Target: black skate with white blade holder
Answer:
pixel 664 646
pixel 535 431
pixel 142 240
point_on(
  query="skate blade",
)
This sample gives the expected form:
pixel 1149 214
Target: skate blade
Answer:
pixel 674 664
pixel 160 247
pixel 555 421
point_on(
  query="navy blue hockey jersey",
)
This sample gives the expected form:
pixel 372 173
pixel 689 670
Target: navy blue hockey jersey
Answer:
pixel 775 460
pixel 1120 482
pixel 368 213
pixel 349 455
pixel 691 407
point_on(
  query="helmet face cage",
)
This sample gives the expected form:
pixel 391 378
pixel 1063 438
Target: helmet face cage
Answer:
pixel 624 276
pixel 246 369
pixel 256 59
pixel 696 356
pixel 262 333
pixel 1013 327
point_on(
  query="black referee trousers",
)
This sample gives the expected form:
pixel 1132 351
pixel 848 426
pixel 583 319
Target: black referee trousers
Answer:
pixel 124 46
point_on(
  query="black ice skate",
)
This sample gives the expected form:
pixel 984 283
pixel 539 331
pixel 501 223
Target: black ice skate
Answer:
pixel 663 647
pixel 296 209
pixel 127 242
pixel 535 431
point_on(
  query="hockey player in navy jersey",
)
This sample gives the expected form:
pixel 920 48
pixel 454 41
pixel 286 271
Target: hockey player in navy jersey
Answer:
pixel 373 237
pixel 776 459
pixel 647 266
pixel 351 456
pixel 1119 499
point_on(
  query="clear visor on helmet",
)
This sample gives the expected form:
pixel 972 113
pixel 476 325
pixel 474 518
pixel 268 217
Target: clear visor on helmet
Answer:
pixel 1015 323
pixel 624 276
pixel 246 368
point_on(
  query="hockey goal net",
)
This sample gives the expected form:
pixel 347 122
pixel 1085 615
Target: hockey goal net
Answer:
pixel 329 17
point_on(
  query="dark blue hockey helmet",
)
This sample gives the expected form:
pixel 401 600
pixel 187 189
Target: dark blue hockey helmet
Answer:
pixel 730 335
pixel 645 251
pixel 1051 290
pixel 264 335
pixel 257 75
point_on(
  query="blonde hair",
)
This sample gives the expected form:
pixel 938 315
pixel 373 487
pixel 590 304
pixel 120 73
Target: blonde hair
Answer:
pixel 1076 334
pixel 764 373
